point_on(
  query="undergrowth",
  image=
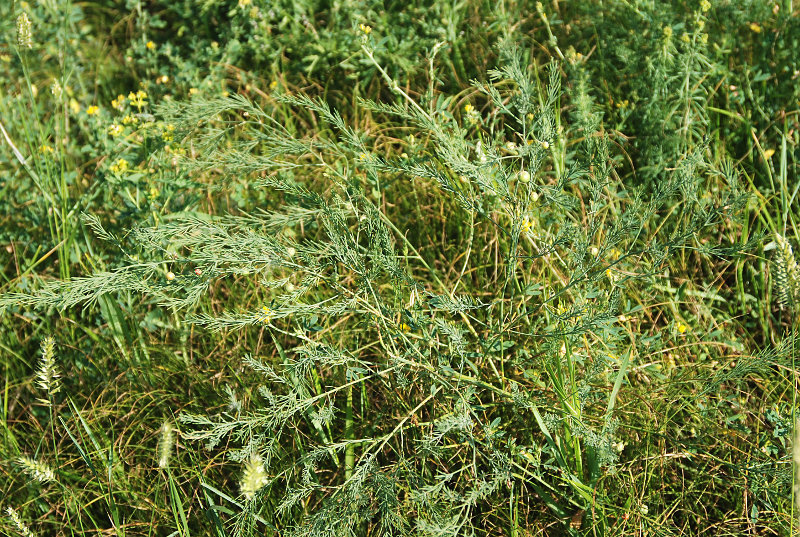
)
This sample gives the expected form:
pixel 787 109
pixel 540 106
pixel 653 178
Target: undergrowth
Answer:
pixel 360 268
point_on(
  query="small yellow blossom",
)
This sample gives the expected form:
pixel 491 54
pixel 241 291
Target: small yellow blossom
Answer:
pixel 685 38
pixel 526 226
pixel 150 45
pixel 755 27
pixel 167 135
pixel 163 79
pixel 138 99
pixel 193 91
pixel 404 327
pixel 115 129
pixel 667 32
pixel 704 39
pixel 120 166
pixel 170 276
pixel 46 149
pixel 266 315
pixel 92 110
pixel 768 153
pixel 244 3
pixel 273 84
pixel 682 328
pixel 119 102
pixel 701 24
pixel 365 29
pixel 468 108
pixel 705 5
pixel 130 119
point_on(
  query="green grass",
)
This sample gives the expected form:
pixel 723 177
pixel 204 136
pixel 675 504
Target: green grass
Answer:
pixel 378 268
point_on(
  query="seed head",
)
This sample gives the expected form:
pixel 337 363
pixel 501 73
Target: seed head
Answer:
pixel 22 528
pixel 24 31
pixel 254 478
pixel 38 470
pixel 165 444
pixel 48 375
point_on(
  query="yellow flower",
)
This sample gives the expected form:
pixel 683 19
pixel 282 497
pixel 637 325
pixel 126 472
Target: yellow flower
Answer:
pixel 244 3
pixel 404 327
pixel 119 102
pixel 167 134
pixel 115 129
pixel 46 149
pixel 120 166
pixel 365 29
pixel 130 119
pixel 163 79
pixel 682 328
pixel 273 84
pixel 150 45
pixel 526 226
pixel 266 315
pixel 685 38
pixel 755 27
pixel 768 153
pixel 468 108
pixel 138 99
pixel 705 5
pixel 193 91
pixel 92 110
